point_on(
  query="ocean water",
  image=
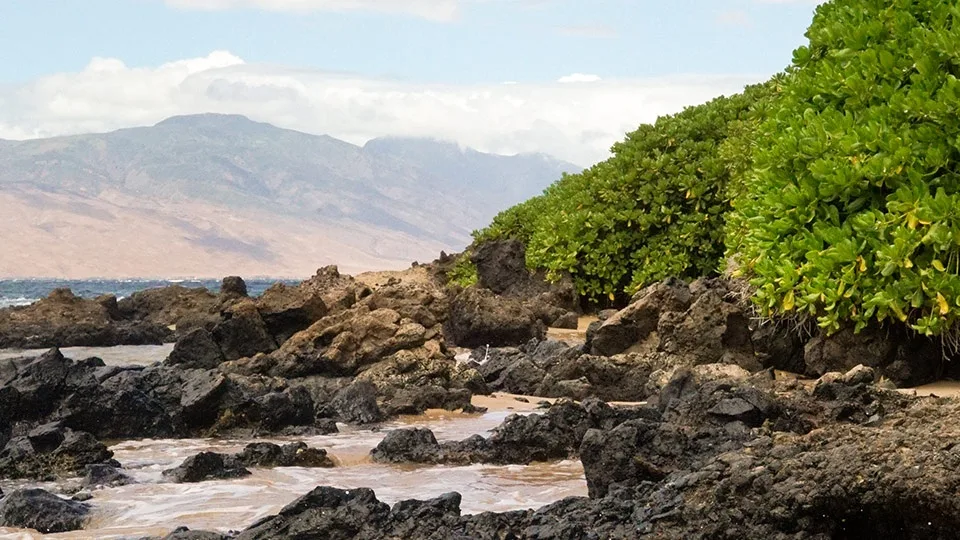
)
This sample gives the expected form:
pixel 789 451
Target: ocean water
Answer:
pixel 21 292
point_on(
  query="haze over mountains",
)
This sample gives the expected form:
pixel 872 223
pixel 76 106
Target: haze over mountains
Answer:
pixel 211 195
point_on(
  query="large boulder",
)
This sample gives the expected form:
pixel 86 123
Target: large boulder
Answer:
pixel 634 324
pixel 101 475
pixel 205 466
pixel 357 404
pixel 43 511
pixel 197 349
pixel 50 451
pixel 287 310
pixel 243 332
pixel 478 317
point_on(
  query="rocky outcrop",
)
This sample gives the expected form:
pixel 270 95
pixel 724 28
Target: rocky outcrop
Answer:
pixel 696 324
pixel 49 452
pixel 502 268
pixel 43 511
pixel 338 514
pixel 721 456
pixel 553 368
pixel 214 466
pixel 478 317
pixel 390 340
pixel 520 439
pixel 394 318
pixel 898 354
pixel 156 401
pixel 176 306
pixel 65 320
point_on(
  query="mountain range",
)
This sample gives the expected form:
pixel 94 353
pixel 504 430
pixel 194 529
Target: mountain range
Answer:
pixel 210 195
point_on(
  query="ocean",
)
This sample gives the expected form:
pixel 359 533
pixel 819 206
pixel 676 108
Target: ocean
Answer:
pixel 21 292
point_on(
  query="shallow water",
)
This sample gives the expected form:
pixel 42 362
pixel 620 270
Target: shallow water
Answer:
pixel 121 355
pixel 152 507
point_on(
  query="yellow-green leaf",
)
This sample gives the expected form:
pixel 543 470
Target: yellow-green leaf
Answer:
pixel 789 301
pixel 938 265
pixel 942 302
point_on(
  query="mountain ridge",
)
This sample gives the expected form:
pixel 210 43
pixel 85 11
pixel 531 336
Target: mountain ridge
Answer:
pixel 383 204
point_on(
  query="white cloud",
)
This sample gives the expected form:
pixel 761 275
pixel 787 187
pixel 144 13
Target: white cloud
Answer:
pixel 579 78
pixel 577 122
pixel 439 10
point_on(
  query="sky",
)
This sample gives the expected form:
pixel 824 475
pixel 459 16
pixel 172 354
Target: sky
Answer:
pixel 564 77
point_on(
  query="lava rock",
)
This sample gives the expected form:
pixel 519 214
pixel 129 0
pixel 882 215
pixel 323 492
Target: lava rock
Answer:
pixel 43 511
pixel 205 466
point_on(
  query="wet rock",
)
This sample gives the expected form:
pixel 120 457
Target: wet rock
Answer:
pixel 493 361
pixel 357 404
pixel 51 451
pixel 415 445
pixel 276 410
pixel 521 377
pixel 478 317
pixel 205 466
pixel 41 510
pixel 101 475
pixel 325 512
pixel 298 454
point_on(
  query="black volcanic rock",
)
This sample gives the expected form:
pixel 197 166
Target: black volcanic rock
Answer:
pixel 41 510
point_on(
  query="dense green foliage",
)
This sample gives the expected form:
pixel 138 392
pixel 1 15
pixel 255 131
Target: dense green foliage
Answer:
pixel 464 272
pixel 852 210
pixel 655 209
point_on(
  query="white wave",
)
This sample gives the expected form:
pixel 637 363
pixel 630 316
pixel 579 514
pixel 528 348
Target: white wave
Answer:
pixel 18 301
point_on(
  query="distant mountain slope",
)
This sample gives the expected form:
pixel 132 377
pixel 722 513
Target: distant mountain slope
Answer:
pixel 220 194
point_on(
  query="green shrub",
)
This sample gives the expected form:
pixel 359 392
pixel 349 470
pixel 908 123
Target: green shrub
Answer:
pixel 655 209
pixel 464 272
pixel 515 222
pixel 852 210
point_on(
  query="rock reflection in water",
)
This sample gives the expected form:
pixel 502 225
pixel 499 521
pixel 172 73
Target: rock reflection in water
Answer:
pixel 152 507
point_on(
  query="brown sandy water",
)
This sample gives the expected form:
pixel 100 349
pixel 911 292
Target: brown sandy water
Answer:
pixel 154 507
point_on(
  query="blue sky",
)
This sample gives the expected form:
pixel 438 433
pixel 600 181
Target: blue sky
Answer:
pixel 455 48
